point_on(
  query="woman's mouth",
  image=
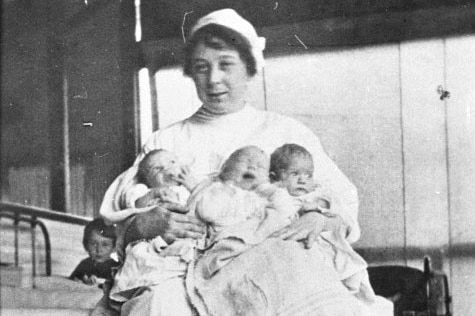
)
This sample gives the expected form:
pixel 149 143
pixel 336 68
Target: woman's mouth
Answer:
pixel 216 95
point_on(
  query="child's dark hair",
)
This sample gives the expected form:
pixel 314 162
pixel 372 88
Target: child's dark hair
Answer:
pixel 208 34
pixel 98 225
pixel 281 158
pixel 142 168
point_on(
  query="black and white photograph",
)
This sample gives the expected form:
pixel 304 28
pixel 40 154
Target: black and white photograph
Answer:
pixel 237 158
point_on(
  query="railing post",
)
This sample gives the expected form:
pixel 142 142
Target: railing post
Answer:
pixel 47 247
pixel 33 249
pixel 15 229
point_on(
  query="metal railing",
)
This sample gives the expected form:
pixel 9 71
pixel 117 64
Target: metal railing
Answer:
pixel 31 214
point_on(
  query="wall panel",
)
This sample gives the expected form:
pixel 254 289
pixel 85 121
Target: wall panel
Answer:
pixel 423 117
pixel 460 81
pixel 350 98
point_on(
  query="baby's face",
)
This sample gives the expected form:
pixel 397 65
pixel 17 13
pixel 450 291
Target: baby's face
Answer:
pixel 248 169
pixel 298 178
pixel 99 247
pixel 162 170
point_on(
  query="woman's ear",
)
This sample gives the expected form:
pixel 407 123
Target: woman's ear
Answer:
pixel 273 177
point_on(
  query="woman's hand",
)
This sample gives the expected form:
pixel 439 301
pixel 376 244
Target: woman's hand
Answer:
pixel 306 229
pixel 182 226
pixel 169 223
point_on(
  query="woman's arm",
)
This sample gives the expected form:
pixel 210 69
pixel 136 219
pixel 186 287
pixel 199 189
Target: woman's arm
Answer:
pixel 170 224
pixel 344 195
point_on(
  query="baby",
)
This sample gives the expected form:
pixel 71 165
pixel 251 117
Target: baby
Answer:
pixel 240 207
pixel 162 181
pixel 99 242
pixel 291 167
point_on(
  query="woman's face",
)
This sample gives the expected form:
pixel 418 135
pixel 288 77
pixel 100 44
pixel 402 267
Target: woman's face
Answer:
pixel 220 76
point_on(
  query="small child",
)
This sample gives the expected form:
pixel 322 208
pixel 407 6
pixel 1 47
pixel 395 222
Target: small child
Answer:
pixel 292 168
pixel 99 242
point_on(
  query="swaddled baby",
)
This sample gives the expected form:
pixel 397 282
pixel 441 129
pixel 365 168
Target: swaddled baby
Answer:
pixel 240 206
pixel 292 168
pixel 162 180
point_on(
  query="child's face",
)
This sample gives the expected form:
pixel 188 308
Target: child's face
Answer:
pixel 298 178
pixel 248 169
pixel 99 247
pixel 162 170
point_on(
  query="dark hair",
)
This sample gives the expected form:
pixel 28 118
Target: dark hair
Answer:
pixel 98 225
pixel 208 35
pixel 281 158
pixel 142 168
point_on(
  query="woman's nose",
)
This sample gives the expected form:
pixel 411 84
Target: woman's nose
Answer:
pixel 215 75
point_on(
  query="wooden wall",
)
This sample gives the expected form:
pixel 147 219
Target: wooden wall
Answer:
pixel 68 124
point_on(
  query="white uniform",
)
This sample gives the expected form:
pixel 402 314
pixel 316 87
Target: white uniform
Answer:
pixel 204 142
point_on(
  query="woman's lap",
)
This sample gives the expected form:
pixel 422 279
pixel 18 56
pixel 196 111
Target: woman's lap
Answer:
pixel 309 287
pixel 167 299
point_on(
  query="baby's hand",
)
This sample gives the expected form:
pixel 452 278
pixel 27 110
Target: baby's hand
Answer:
pixel 186 178
pixel 317 205
pixel 166 195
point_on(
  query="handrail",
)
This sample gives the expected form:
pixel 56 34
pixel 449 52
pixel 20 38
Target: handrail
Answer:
pixel 35 211
pixel 30 214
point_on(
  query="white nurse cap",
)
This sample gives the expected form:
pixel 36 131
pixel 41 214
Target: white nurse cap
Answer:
pixel 232 20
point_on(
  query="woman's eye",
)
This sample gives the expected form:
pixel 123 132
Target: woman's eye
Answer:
pixel 294 173
pixel 226 64
pixel 200 68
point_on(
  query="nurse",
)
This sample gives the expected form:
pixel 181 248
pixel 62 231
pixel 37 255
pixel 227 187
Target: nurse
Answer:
pixel 222 55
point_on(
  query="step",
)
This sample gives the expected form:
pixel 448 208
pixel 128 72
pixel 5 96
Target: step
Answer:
pixel 51 293
pixel 44 312
pixel 14 276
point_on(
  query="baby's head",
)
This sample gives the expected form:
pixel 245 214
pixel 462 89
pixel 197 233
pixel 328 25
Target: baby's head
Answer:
pixel 99 240
pixel 291 167
pixel 159 168
pixel 246 168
